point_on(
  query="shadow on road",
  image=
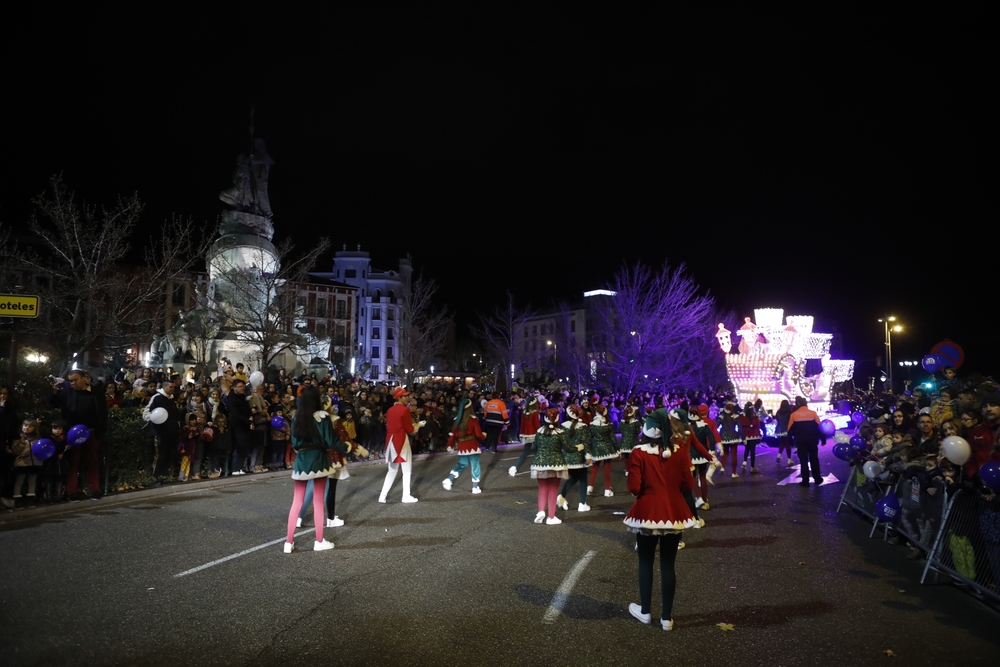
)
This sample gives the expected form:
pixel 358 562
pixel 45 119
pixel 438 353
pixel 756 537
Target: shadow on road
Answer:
pixel 576 606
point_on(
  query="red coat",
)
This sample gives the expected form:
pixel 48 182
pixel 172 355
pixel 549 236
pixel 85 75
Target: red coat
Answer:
pixel 398 424
pixel 750 427
pixel 658 485
pixel 466 440
pixel 530 425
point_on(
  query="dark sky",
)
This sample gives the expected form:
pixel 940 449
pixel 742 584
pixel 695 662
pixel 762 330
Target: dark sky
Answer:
pixel 828 163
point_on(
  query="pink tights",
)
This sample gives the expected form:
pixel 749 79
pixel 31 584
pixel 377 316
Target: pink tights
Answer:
pixel 548 490
pixel 319 511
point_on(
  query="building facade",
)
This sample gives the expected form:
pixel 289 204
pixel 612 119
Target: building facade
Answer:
pixel 380 305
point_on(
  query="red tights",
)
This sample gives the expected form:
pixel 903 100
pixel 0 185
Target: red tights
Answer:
pixel 607 473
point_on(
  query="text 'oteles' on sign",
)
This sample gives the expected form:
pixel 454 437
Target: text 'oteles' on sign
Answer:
pixel 18 305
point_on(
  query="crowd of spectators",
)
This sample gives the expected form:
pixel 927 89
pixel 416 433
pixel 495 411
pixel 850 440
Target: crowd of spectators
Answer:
pixel 224 425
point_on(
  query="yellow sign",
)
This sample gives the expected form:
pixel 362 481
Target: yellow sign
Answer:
pixel 19 305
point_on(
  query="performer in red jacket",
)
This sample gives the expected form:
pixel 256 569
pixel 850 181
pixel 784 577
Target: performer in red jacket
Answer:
pixel 398 426
pixel 465 438
pixel 658 478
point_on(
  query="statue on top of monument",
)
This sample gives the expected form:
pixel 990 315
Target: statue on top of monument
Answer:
pixel 249 195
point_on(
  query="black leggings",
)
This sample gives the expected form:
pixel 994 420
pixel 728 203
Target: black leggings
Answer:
pixel 750 449
pixel 668 579
pixel 576 475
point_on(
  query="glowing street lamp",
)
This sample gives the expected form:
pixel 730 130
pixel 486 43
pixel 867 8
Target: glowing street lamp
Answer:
pixel 889 328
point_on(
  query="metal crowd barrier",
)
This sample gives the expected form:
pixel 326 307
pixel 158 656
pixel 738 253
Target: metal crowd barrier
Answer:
pixel 966 536
pixel 967 545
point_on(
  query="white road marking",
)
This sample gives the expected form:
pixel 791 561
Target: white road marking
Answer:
pixel 242 553
pixel 566 587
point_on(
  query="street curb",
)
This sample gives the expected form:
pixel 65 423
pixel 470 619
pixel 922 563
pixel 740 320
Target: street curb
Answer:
pixel 8 517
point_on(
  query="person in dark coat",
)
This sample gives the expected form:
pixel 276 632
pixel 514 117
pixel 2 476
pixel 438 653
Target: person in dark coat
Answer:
pixel 82 403
pixel 240 423
pixel 168 434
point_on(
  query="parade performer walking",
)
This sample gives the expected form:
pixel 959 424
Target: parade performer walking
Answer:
pixel 630 427
pixel 343 444
pixel 603 448
pixel 751 428
pixel 529 427
pixel 398 426
pixel 658 479
pixel 312 436
pixel 549 465
pixel 577 457
pixel 465 439
pixel 781 419
pixel 730 434
pixel 701 463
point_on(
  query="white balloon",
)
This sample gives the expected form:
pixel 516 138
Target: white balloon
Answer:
pixel 256 378
pixel 873 469
pixel 956 449
pixel 159 415
pixel 841 438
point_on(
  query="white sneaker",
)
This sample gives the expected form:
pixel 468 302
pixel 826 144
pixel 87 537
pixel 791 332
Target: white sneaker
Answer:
pixel 382 500
pixel 553 521
pixel 583 507
pixel 476 489
pixel 298 522
pixel 512 471
pixel 561 503
pixel 636 612
pixel 667 625
pixel 325 545
pixel 335 522
pixel 744 466
pixel 608 493
pixel 680 545
pixel 446 484
pixel 540 517
pixel 698 502
pixel 289 547
pixel 409 499
pixel 590 490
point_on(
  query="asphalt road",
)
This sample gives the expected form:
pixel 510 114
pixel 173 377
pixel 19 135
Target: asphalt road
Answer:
pixel 458 579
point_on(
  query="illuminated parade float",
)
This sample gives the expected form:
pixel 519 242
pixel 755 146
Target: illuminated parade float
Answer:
pixel 778 362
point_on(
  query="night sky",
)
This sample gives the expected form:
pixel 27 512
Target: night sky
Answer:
pixel 830 164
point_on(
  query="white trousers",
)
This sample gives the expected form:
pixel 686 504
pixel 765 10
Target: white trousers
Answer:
pixel 407 466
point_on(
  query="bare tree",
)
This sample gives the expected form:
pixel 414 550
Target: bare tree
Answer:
pixel 90 299
pixel 255 296
pixel 423 325
pixel 651 326
pixel 501 330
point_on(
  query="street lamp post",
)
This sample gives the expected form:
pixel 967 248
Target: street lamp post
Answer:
pixel 889 328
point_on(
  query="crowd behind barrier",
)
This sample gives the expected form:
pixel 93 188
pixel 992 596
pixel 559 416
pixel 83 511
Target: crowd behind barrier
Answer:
pixel 928 474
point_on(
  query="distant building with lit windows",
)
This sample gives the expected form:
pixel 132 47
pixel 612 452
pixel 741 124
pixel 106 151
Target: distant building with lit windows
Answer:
pixel 381 299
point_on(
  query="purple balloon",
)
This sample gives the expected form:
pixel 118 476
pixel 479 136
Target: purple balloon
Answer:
pixel 78 435
pixel 43 449
pixel 857 418
pixel 842 451
pixel 278 422
pixel 827 428
pixel 887 509
pixel 989 475
pixel 931 363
